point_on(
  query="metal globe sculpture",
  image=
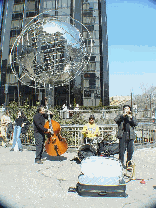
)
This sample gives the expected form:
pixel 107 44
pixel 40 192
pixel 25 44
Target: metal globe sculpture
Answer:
pixel 50 50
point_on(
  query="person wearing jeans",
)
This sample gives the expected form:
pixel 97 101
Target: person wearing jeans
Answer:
pixel 20 121
pixel 16 137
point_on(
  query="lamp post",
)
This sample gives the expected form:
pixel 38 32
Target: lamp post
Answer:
pixel 18 88
pixel 40 96
pixel 69 93
pixel 150 107
pixel 6 92
pixel 131 100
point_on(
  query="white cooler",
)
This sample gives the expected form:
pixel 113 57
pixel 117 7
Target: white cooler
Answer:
pixel 101 175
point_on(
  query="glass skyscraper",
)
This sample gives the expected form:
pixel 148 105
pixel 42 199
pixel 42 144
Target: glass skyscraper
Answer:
pixel 88 88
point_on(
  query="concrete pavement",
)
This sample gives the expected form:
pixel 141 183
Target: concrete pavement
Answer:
pixel 26 184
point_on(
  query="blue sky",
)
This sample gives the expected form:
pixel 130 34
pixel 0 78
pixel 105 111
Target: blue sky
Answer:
pixel 131 27
pixel 1 1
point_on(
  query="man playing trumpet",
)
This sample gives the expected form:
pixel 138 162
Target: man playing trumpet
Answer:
pixel 126 135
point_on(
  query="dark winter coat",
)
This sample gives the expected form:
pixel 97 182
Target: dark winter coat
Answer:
pixel 126 125
pixel 19 121
pixel 39 122
pixel 22 119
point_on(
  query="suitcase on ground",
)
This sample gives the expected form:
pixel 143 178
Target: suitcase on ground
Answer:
pixel 101 176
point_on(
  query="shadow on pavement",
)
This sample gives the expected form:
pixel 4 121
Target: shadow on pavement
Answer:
pixel 53 158
pixel 76 159
pixel 4 204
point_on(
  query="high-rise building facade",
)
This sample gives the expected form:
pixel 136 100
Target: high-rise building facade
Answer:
pixel 88 88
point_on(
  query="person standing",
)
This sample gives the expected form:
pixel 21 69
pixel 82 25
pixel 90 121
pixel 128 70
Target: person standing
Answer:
pixel 5 120
pixel 20 121
pixel 39 132
pixel 126 135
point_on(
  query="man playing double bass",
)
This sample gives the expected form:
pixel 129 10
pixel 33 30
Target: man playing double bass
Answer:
pixel 39 132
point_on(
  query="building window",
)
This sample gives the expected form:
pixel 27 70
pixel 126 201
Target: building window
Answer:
pixel 89 75
pixel 16 24
pixel 85 34
pixel 49 4
pixel 12 40
pixel 95 50
pixel 92 66
pixel 92 59
pixel 17 16
pixel 18 8
pixel 86 83
pixel 87 93
pixel 14 33
pixel 18 1
pixel 30 14
pixel 31 6
pixel 89 27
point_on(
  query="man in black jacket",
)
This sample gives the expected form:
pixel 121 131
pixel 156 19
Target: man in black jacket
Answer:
pixel 39 132
pixel 126 135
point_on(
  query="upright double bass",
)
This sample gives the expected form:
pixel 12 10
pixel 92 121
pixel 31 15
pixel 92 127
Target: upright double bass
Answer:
pixel 56 145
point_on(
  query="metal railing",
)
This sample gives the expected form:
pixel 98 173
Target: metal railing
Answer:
pixel 146 133
pixel 74 136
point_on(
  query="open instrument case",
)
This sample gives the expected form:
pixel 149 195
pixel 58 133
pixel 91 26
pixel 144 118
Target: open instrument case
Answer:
pixel 101 177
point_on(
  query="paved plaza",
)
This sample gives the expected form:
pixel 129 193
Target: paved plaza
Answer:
pixel 26 184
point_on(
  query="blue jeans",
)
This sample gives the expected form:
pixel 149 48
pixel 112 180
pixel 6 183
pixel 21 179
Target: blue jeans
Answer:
pixel 16 137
